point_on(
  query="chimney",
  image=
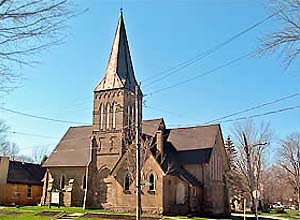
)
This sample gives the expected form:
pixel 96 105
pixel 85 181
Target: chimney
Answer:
pixel 160 142
pixel 4 164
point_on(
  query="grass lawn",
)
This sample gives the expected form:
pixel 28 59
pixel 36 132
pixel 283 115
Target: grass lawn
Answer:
pixel 29 213
pixel 288 214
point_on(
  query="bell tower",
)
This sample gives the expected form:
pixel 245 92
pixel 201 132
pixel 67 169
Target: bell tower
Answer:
pixel 114 102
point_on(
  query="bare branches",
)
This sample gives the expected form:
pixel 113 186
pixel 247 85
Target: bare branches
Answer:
pixel 27 28
pixel 39 153
pixel 251 142
pixel 287 39
pixel 290 158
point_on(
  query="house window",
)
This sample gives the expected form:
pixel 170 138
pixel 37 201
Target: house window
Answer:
pixel 151 182
pixel 62 182
pixel 29 191
pixel 127 182
pixel 84 182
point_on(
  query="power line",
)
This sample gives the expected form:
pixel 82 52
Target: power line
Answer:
pixel 263 114
pixel 204 54
pixel 249 117
pixel 254 107
pixel 37 146
pixel 203 74
pixel 162 110
pixel 40 117
pixel 30 134
pixel 223 121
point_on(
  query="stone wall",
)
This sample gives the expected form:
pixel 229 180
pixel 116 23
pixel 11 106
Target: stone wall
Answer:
pixel 125 201
pixel 72 193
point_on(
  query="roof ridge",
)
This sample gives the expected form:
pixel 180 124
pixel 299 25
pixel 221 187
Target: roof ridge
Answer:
pixel 196 126
pixel 155 119
pixel 24 162
pixel 80 126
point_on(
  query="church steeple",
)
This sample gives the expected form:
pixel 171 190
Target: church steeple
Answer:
pixel 119 71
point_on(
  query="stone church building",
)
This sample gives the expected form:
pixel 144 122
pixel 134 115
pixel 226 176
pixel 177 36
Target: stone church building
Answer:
pixel 183 169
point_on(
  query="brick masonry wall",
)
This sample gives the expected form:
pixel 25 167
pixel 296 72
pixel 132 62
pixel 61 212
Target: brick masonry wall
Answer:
pixel 16 194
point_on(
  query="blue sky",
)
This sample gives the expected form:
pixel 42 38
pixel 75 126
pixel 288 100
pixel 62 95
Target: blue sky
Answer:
pixel 161 35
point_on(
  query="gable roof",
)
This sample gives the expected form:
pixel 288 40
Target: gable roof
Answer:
pixel 73 149
pixel 150 127
pixel 193 138
pixel 25 173
pixel 119 71
pixel 193 144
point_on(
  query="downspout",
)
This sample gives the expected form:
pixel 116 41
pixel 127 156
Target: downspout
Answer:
pixel 87 173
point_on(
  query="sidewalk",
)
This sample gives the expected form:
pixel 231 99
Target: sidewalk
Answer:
pixel 259 216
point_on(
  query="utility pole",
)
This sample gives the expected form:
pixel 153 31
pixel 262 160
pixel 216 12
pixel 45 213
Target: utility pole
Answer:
pixel 250 172
pixel 138 153
pixel 298 181
pixel 253 179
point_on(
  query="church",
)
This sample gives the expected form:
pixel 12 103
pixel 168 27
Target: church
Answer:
pixel 183 170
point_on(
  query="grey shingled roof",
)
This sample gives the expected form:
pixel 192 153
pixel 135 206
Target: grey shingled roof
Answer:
pixel 150 127
pixel 25 173
pixel 193 145
pixel 193 138
pixel 73 148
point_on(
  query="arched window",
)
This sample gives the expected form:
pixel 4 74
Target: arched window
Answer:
pixel 107 115
pixel 128 117
pixel 151 182
pixel 101 116
pixel 114 115
pixel 127 182
pixel 132 114
pixel 84 182
pixel 62 182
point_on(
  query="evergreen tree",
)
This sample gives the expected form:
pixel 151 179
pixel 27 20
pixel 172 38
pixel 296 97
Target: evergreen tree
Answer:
pixel 231 153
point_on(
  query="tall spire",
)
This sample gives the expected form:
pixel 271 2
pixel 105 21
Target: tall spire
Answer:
pixel 119 71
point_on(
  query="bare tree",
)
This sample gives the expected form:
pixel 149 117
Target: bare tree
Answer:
pixel 4 143
pixel 7 148
pixel 290 160
pixel 274 178
pixel 39 153
pixel 24 158
pixel 27 27
pixel 14 151
pixel 251 141
pixel 286 39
